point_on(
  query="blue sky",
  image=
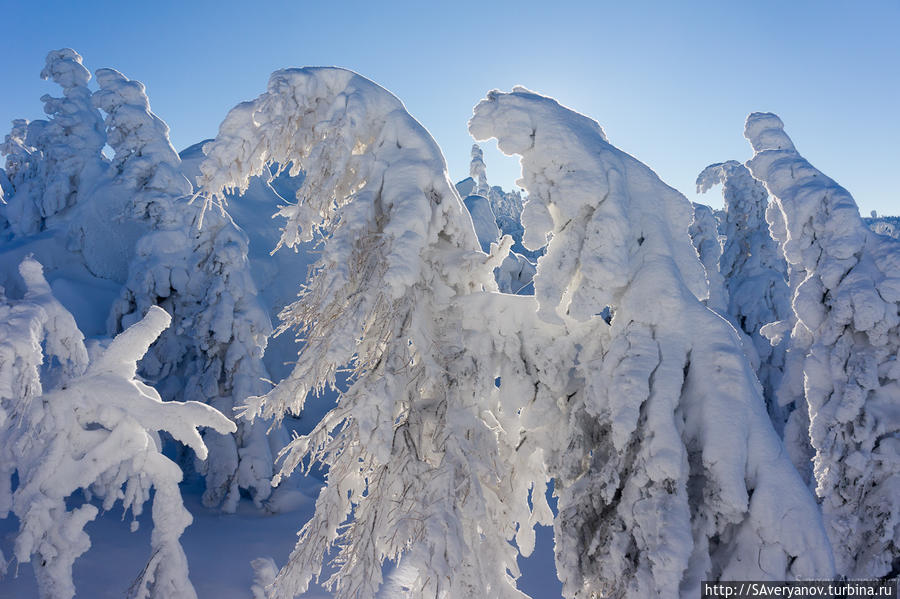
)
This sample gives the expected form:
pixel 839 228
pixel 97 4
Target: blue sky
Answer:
pixel 671 82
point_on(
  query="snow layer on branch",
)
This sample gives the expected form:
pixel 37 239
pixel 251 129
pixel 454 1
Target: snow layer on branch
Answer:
pixel 847 326
pixel 200 275
pixel 671 471
pixel 68 423
pixel 755 275
pixel 412 448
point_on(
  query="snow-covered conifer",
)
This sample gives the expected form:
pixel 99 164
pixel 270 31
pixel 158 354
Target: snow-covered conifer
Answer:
pixel 53 163
pixel 755 274
pixel 477 171
pixel 200 275
pixel 69 423
pixel 415 452
pixel 847 329
pixel 704 232
pixel 668 470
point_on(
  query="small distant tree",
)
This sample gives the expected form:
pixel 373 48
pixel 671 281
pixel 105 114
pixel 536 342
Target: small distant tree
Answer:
pixel 71 423
pixel 704 232
pixel 478 171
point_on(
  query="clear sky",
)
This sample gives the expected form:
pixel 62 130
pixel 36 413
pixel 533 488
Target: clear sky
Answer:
pixel 671 82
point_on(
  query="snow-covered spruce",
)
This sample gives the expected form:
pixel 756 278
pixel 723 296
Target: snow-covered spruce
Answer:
pixel 668 469
pixel 415 453
pixel 755 275
pixel 478 172
pixel 52 163
pixel 847 327
pixel 704 232
pixel 69 423
pixel 200 275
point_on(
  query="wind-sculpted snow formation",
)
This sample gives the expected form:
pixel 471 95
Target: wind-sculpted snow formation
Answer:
pixel 201 276
pixel 848 331
pixel 755 275
pixel 671 471
pixel 410 455
pixel 71 423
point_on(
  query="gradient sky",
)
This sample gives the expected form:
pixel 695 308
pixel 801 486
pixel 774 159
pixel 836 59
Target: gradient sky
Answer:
pixel 670 82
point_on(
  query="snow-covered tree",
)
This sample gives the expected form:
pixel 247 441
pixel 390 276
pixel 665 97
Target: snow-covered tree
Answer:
pixel 755 275
pixel 416 454
pixel 478 171
pixel 52 164
pixel 704 232
pixel 200 275
pixel 668 470
pixel 71 423
pixel 847 329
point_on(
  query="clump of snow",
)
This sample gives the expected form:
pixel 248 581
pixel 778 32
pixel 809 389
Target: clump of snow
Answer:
pixel 264 573
pixel 483 218
pixel 846 338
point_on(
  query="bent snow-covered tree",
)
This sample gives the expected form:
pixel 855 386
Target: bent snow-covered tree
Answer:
pixel 847 327
pixel 69 423
pixel 671 471
pixel 412 448
pixel 201 276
